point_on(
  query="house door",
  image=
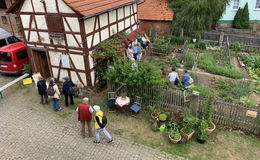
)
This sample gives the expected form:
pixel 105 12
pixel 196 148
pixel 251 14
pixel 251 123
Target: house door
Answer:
pixel 41 63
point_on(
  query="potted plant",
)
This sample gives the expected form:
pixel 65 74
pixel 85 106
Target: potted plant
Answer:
pixel 162 117
pixel 207 114
pixel 202 137
pixel 155 111
pixel 174 134
pixel 202 127
pixel 189 122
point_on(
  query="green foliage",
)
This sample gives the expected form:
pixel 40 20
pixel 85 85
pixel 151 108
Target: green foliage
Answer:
pixel 245 17
pixel 27 69
pixel 204 91
pixel 161 46
pixel 195 77
pixel 174 62
pixel 252 61
pixel 207 110
pixel 178 40
pixel 196 16
pixel 246 101
pixel 189 122
pixel 202 126
pixel 200 45
pixel 237 46
pixel 146 75
pixel 230 90
pixel 174 133
pixel 189 60
pixel 257 88
pixel 162 117
pixel 238 19
pixel 208 63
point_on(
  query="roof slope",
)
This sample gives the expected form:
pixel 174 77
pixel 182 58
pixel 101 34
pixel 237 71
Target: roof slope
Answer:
pixel 155 10
pixel 92 7
pixel 84 7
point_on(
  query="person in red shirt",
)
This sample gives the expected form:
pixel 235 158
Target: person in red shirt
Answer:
pixel 85 116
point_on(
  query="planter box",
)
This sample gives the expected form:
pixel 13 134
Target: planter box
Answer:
pixel 186 136
pixel 209 131
pixel 174 140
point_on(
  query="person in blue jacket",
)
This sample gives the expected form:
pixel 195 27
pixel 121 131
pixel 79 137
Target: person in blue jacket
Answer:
pixel 185 79
pixel 67 90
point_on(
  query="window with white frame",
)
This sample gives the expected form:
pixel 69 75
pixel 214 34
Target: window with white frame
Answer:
pixel 257 6
pixel 236 4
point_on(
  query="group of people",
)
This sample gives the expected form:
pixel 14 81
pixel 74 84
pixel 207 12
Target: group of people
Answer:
pixel 84 109
pixel 134 52
pixel 52 91
pixel 186 80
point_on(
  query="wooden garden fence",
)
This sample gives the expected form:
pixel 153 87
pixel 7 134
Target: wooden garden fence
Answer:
pixel 231 115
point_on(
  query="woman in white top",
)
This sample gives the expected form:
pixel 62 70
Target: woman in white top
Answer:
pixel 130 52
pixel 173 77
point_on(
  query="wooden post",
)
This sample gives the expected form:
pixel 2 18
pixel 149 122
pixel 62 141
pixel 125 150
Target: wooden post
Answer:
pixel 221 38
pixel 194 103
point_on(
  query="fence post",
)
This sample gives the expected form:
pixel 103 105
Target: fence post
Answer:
pixel 221 38
pixel 194 103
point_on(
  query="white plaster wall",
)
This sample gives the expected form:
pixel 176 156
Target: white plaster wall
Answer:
pixel 58 42
pixel 127 11
pixel 135 7
pixel 44 36
pixel 74 77
pixel 112 16
pixel 41 22
pixel 134 27
pixel 33 36
pixel 104 34
pixel 73 23
pixel 51 6
pixel 78 60
pixel 38 6
pixel 91 63
pixel 113 29
pixel 120 13
pixel 55 72
pixel 64 8
pixel 127 22
pixel 63 73
pixel 89 40
pixel 55 58
pixel 92 74
pixel 83 77
pixel 72 42
pixel 89 25
pixel 96 39
pixel 121 26
pixel 132 20
pixel 25 20
pixel 27 6
pixel 103 20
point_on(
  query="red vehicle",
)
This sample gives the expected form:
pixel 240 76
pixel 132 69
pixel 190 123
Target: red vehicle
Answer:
pixel 12 58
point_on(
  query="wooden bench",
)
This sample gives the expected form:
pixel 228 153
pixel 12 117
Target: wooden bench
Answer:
pixel 11 83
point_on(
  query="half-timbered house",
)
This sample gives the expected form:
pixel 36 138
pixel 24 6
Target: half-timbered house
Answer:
pixel 54 28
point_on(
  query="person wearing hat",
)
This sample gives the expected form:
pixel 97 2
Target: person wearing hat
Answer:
pixel 67 91
pixel 42 90
pixel 100 125
pixel 85 116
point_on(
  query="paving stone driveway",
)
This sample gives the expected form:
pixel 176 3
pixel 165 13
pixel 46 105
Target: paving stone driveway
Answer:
pixel 34 132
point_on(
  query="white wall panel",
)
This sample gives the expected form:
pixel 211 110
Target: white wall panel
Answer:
pixel 74 77
pixel 34 37
pixel 127 11
pixel 103 20
pixel 96 39
pixel 121 26
pixel 55 72
pixel 89 25
pixel 91 63
pixel 59 42
pixel 38 6
pixel 112 16
pixel 44 36
pixel 78 60
pixel 41 22
pixel 73 23
pixel 51 6
pixel 55 58
pixel 83 77
pixel 25 20
pixel 64 8
pixel 89 40
pixel 63 73
pixel 113 29
pixel 127 22
pixel 92 74
pixel 104 34
pixel 27 6
pixel 135 7
pixel 120 13
pixel 72 42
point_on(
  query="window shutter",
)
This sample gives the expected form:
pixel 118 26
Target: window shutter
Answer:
pixel 55 23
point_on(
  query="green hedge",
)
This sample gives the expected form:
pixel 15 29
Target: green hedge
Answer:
pixel 178 40
pixel 208 63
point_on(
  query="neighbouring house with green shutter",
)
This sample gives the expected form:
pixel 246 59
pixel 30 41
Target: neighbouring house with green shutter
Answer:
pixel 231 10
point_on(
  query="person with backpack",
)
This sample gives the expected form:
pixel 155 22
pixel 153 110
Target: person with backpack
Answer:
pixel 67 90
pixel 42 90
pixel 100 125
pixel 54 93
pixel 85 116
pixel 173 77
pixel 186 80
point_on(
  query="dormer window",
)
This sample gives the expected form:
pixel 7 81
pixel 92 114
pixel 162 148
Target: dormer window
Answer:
pixel 236 4
pixel 257 6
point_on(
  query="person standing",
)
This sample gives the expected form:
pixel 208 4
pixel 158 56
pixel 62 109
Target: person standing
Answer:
pixel 54 93
pixel 139 52
pixel 85 116
pixel 67 90
pixel 42 90
pixel 135 49
pixel 100 125
pixel 173 77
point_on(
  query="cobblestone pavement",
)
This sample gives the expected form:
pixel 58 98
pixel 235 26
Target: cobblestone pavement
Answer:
pixel 34 132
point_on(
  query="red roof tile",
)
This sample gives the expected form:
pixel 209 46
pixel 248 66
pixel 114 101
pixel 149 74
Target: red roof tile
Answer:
pixel 92 7
pixel 155 10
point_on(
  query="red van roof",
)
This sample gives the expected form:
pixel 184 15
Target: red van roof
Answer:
pixel 13 47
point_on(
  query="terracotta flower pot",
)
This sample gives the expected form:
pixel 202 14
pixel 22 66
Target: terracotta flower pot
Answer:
pixel 155 115
pixel 209 131
pixel 174 140
pixel 187 136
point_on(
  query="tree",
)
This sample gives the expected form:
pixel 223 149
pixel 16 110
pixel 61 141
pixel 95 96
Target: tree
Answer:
pixel 245 17
pixel 237 19
pixel 196 16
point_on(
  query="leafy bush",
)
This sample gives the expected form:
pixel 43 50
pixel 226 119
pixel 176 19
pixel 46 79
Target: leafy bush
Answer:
pixel 200 45
pixel 246 101
pixel 252 61
pixel 175 62
pixel 257 88
pixel 189 60
pixel 191 46
pixel 237 46
pixel 237 19
pixel 178 40
pixel 146 75
pixel 208 63
pixel 189 122
pixel 195 77
pixel 204 91
pixel 161 46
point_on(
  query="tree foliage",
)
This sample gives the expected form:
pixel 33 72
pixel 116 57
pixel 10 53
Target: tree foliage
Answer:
pixel 196 16
pixel 241 20
pixel 237 19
